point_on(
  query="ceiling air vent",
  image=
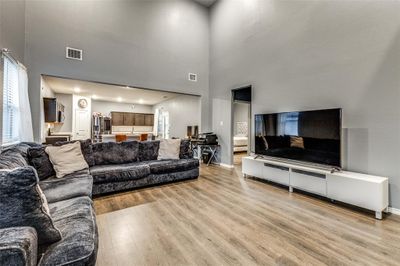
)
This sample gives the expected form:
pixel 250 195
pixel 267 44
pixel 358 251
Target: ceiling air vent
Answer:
pixel 73 53
pixel 192 77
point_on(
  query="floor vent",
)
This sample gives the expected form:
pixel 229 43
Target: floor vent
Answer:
pixel 73 53
pixel 192 77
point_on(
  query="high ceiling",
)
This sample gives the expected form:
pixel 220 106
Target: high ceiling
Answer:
pixel 206 3
pixel 106 92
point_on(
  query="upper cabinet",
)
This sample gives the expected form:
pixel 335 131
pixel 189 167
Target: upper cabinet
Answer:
pixel 117 118
pixel 53 111
pixel 131 119
pixel 148 119
pixel 139 119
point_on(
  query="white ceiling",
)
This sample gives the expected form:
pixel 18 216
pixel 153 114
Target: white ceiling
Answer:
pixel 206 3
pixel 105 92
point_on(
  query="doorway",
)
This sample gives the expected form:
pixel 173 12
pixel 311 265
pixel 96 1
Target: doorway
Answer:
pixel 241 123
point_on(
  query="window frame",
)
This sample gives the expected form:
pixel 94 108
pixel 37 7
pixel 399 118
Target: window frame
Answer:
pixel 15 140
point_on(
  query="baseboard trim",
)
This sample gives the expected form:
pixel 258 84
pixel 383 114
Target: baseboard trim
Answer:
pixel 394 211
pixel 230 166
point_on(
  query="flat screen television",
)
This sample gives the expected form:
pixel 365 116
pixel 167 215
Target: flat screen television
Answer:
pixel 307 136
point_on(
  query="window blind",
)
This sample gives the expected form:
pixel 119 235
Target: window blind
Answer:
pixel 11 108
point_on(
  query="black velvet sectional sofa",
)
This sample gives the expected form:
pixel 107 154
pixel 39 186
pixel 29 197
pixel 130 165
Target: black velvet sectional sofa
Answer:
pixel 112 167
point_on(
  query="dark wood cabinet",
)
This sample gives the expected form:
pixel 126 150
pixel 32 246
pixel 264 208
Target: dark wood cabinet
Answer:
pixel 53 111
pixel 149 120
pixel 131 119
pixel 139 119
pixel 117 118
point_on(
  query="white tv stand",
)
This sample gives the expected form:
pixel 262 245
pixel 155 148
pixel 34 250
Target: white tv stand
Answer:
pixel 366 191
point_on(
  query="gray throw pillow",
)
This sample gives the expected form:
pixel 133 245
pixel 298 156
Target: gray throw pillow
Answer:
pixel 39 159
pixel 23 204
pixel 148 150
pixel 185 150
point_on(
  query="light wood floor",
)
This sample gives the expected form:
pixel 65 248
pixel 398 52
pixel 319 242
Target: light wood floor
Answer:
pixel 223 219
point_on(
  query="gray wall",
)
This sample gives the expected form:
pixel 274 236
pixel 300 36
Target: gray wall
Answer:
pixel 183 111
pixel 152 44
pixel 301 55
pixel 106 108
pixel 12 27
pixel 12 36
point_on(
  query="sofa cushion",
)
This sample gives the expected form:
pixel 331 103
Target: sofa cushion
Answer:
pixel 105 153
pixel 119 172
pixel 168 166
pixel 152 179
pixel 148 150
pixel 76 220
pixel 58 189
pixel 18 246
pixel 21 204
pixel 11 159
pixel 39 159
pixel 86 147
pixel 21 148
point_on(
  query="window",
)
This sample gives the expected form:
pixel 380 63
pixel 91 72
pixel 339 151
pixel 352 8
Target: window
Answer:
pixel 288 124
pixel 11 108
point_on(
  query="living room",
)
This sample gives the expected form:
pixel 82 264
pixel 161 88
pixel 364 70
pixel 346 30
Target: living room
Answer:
pixel 152 202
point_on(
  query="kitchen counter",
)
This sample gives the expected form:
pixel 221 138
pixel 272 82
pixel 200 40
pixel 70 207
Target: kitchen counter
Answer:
pixel 128 134
pixel 61 134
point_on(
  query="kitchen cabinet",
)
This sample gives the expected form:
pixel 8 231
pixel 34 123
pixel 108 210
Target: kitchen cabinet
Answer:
pixel 53 111
pixel 131 119
pixel 117 118
pixel 139 119
pixel 149 120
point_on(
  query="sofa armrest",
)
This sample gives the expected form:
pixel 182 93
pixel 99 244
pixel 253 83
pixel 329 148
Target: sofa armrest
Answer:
pixel 18 246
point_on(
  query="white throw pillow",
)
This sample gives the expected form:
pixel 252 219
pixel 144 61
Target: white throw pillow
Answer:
pixel 66 159
pixel 169 149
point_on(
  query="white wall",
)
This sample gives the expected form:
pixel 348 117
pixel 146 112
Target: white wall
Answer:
pixel 184 110
pixel 301 55
pixel 106 108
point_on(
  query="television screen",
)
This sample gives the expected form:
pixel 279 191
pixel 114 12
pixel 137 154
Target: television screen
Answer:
pixel 308 136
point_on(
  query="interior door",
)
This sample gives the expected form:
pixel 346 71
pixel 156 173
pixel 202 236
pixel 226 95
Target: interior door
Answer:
pixel 82 124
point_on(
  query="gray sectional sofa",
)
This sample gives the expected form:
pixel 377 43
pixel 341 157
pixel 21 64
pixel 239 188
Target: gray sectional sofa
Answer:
pixel 113 167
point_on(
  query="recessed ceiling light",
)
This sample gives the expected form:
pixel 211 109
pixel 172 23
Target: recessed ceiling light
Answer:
pixel 141 101
pixel 94 96
pixel 77 89
pixel 119 99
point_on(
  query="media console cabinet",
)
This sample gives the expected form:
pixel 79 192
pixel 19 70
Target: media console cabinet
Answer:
pixel 366 191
